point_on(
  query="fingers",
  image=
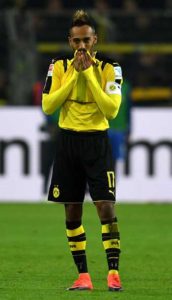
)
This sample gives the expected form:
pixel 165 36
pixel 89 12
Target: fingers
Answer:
pixel 77 65
pixel 82 59
pixel 77 61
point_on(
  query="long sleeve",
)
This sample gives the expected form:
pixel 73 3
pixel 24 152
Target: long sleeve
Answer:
pixel 58 94
pixel 109 101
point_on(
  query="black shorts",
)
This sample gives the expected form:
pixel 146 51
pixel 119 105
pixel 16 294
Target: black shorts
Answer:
pixel 82 158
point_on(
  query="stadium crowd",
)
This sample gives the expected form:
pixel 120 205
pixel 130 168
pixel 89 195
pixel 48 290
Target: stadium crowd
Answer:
pixel 68 4
pixel 142 21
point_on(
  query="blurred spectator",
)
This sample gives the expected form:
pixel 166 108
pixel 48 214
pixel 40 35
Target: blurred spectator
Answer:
pixel 69 4
pixel 30 4
pixel 148 68
pixel 117 4
pixel 117 21
pixel 125 5
pixel 6 4
pixel 168 5
pixel 54 6
pixel 37 93
pixel 102 6
pixel 22 57
pixel 106 27
pixel 78 4
pixel 143 24
pixel 152 4
pixel 36 4
pixel 130 6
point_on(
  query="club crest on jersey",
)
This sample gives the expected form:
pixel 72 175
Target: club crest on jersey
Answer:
pixel 56 191
pixel 50 70
pixel 113 88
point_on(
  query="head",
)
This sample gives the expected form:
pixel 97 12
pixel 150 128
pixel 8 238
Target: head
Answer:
pixel 82 33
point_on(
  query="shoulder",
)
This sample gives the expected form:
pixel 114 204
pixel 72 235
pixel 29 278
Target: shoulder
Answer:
pixel 62 58
pixel 60 62
pixel 106 60
pixel 110 65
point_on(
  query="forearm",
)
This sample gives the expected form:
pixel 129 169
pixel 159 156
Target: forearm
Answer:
pixel 52 101
pixel 108 106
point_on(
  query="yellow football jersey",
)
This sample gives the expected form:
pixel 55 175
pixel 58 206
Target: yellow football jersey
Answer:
pixel 87 99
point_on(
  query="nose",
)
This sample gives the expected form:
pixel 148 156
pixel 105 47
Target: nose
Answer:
pixel 82 45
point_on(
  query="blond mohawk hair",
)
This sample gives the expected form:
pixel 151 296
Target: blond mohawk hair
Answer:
pixel 81 18
pixel 80 15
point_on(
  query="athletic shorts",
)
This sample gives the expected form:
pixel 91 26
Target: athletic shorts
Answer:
pixel 82 158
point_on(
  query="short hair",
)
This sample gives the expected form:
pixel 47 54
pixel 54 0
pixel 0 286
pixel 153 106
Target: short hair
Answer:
pixel 81 18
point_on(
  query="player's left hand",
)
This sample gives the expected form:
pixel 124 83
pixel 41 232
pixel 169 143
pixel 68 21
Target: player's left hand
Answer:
pixel 85 59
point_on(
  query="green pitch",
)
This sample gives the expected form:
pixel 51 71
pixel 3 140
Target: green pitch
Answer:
pixel 35 262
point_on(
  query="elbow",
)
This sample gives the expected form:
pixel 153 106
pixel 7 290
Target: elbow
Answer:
pixel 112 114
pixel 45 107
pixel 46 110
pixel 115 109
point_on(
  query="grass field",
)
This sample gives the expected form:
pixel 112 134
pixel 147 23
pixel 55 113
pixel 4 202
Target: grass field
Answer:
pixel 35 262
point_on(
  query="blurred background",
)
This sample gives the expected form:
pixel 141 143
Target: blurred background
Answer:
pixel 136 34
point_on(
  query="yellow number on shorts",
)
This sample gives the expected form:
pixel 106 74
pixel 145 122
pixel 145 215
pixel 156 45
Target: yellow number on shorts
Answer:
pixel 111 179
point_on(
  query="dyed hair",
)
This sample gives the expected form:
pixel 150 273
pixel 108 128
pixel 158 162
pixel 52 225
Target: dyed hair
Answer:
pixel 81 18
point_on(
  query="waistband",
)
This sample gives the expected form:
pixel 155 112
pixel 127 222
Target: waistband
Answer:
pixel 83 133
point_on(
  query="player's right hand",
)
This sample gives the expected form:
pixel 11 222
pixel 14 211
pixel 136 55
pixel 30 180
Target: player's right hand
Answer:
pixel 77 63
pixel 82 60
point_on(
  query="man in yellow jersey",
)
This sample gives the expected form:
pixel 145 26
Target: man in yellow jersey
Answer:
pixel 87 88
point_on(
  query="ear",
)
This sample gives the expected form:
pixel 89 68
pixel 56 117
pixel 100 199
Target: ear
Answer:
pixel 95 39
pixel 69 40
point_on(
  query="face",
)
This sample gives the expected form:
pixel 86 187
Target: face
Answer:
pixel 82 37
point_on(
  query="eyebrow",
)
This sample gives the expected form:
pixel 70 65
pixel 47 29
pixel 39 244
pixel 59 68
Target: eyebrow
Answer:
pixel 78 39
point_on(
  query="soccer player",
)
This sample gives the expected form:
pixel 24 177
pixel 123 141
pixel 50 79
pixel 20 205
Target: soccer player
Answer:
pixel 87 88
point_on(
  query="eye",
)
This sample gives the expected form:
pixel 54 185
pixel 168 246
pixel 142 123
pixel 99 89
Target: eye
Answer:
pixel 86 40
pixel 76 41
